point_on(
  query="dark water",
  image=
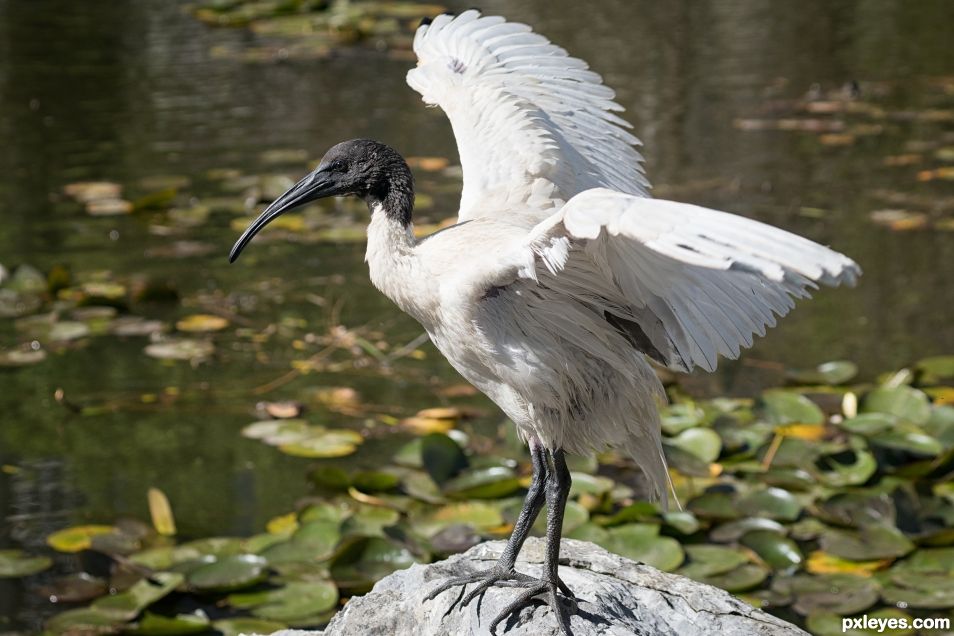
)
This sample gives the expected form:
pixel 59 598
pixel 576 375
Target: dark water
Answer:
pixel 126 90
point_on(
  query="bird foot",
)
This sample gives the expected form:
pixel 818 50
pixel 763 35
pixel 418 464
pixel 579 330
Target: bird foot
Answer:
pixel 551 596
pixel 507 577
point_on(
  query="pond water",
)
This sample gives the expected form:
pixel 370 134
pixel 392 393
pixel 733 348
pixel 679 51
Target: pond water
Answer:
pixel 126 91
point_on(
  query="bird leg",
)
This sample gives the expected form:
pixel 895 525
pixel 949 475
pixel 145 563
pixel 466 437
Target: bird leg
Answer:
pixel 503 571
pixel 550 585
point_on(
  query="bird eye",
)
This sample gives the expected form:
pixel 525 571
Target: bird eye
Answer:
pixel 337 165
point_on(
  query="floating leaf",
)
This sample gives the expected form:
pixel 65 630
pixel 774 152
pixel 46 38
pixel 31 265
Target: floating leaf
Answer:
pixel 919 590
pixel 773 503
pixel 838 593
pixel 703 443
pixel 936 369
pixel 202 323
pixel 158 625
pixel 709 560
pixel 230 573
pixel 834 372
pixel 735 530
pixel 866 544
pixel 880 622
pixel 77 538
pixel 364 560
pixel 785 407
pixel 822 563
pixel 584 483
pixel 161 512
pixel 905 402
pixel 869 423
pixel 857 468
pixel 741 579
pixel 476 514
pixel 492 482
pixel 442 458
pixel 295 601
pixel 16 563
pixel 127 605
pixel 641 542
pixel 778 551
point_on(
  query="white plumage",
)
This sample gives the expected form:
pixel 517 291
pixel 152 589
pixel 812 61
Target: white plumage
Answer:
pixel 561 275
pixel 555 217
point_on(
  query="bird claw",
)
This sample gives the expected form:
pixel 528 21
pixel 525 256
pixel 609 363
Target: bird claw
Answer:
pixel 552 598
pixel 484 580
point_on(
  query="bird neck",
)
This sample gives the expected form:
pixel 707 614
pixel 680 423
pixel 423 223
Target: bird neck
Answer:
pixel 392 261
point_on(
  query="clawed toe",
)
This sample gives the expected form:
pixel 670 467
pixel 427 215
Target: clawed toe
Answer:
pixel 552 598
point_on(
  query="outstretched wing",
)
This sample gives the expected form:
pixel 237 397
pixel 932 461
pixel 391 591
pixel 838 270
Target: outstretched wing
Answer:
pixel 685 283
pixel 534 126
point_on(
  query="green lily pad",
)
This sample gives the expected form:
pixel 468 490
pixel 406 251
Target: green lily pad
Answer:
pixel 634 512
pixel 857 469
pixel 928 561
pixel 370 521
pixel 919 590
pixel 834 372
pixel 16 563
pixel 83 620
pixel 703 443
pixel 246 625
pixel 574 516
pixel 68 330
pixel 492 482
pixel 905 402
pixel 230 573
pixel 867 543
pixel 717 505
pixel 869 423
pixel 127 605
pixel 741 579
pixel 906 437
pixel 362 561
pixel 641 542
pixel 785 407
pixel 298 438
pixel 76 587
pixel 778 551
pixel 857 509
pixel 709 560
pixel 441 457
pixel 477 514
pixel 680 416
pixel 77 538
pixel 773 503
pixel 842 594
pixel 584 483
pixel 419 485
pixel 682 521
pixel 590 532
pixel 158 625
pixel 936 369
pixel 294 601
pixel 735 530
pixel 376 481
pixel 312 541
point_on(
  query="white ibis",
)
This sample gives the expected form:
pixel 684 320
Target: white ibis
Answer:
pixel 562 275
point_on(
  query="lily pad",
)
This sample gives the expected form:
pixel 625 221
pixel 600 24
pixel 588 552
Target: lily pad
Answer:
pixel 786 407
pixel 483 483
pixel 778 551
pixel 294 601
pixel 741 579
pixel 869 423
pixel 919 590
pixel 202 323
pixel 869 542
pixel 857 468
pixel 773 503
pixel 152 624
pixel 127 605
pixel 641 542
pixel 829 624
pixel 703 443
pixel 709 560
pixel 842 594
pixel 735 530
pixel 834 372
pixel 363 560
pixel 905 402
pixel 441 457
pixel 77 538
pixel 936 369
pixel 230 573
pixel 714 505
pixel 476 514
pixel 16 563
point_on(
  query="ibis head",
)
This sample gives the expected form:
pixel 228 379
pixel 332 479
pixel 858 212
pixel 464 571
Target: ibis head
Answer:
pixel 360 167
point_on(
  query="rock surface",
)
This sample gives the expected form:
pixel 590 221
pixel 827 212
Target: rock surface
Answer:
pixel 616 597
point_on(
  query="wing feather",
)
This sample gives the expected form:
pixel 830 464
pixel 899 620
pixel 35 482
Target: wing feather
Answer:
pixel 700 283
pixel 534 126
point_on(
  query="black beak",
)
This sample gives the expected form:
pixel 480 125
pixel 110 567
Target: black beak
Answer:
pixel 316 185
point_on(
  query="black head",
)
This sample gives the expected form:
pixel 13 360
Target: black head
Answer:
pixel 360 167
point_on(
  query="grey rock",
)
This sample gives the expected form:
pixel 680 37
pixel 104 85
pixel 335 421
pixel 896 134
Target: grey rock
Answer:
pixel 616 596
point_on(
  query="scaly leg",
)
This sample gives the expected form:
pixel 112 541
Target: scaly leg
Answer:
pixel 557 491
pixel 503 571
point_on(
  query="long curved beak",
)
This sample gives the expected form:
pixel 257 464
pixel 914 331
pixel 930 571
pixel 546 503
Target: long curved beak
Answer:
pixel 316 185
